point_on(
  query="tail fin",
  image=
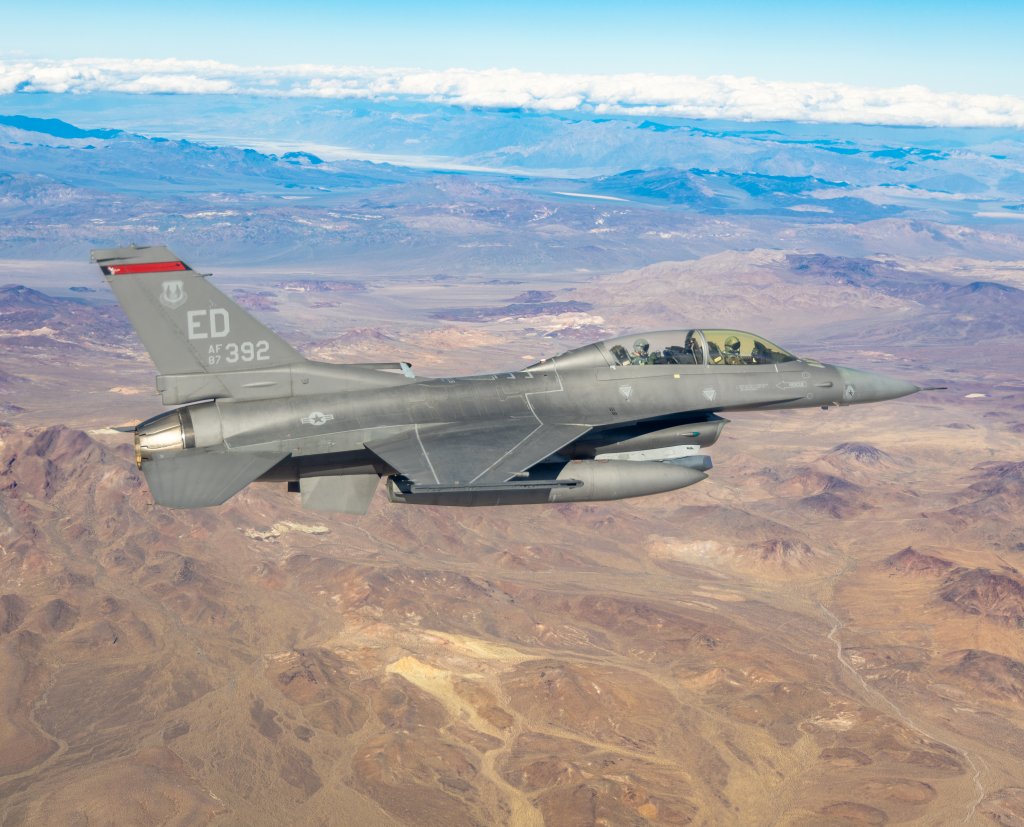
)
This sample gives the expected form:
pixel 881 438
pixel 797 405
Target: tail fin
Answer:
pixel 188 325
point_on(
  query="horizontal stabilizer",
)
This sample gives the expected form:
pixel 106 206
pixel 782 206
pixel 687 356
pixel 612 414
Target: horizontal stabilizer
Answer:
pixel 202 479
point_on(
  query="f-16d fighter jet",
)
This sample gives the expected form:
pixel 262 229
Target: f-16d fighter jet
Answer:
pixel 620 418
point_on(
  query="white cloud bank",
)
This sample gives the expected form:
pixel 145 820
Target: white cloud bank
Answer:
pixel 685 96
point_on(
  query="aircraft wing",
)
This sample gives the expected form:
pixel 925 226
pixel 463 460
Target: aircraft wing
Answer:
pixel 480 454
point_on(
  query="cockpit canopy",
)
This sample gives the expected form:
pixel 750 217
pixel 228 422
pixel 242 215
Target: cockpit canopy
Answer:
pixel 696 347
pixel 683 347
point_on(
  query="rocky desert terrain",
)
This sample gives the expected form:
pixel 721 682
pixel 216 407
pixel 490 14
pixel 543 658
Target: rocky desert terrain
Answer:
pixel 828 631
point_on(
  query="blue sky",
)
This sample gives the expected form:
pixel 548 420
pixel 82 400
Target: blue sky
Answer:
pixel 946 46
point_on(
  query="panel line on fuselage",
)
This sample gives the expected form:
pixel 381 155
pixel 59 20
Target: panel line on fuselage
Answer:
pixel 515 447
pixel 524 440
pixel 426 456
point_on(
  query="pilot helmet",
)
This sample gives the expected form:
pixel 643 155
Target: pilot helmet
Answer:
pixel 641 346
pixel 732 344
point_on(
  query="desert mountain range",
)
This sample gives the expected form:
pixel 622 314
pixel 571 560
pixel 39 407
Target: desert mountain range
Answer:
pixel 828 631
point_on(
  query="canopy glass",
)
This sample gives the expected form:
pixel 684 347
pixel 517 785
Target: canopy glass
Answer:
pixel 696 347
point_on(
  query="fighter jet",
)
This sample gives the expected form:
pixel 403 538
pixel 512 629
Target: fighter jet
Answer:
pixel 625 417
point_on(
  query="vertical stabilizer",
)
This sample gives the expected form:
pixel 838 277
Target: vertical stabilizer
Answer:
pixel 187 324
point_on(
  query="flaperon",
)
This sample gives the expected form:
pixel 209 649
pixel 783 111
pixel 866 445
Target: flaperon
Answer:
pixel 620 418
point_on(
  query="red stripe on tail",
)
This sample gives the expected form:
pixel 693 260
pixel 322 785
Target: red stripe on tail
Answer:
pixel 153 267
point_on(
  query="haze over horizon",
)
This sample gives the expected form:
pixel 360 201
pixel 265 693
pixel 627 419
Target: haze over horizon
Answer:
pixel 728 97
pixel 913 63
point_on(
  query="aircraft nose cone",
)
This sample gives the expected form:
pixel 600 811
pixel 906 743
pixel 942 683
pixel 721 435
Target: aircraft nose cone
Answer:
pixel 865 386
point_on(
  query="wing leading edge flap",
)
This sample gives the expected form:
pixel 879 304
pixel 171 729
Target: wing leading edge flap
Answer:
pixel 482 454
pixel 197 480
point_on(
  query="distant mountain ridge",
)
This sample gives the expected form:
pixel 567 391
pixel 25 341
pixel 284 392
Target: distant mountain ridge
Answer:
pixel 588 194
pixel 55 127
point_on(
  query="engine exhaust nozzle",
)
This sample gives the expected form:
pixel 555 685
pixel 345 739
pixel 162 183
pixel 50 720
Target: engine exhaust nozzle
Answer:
pixel 164 434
